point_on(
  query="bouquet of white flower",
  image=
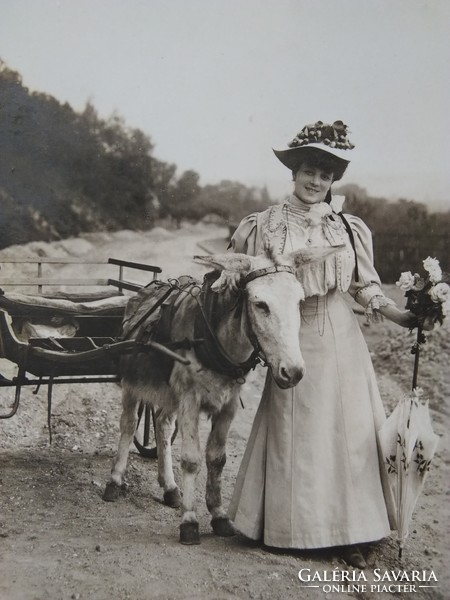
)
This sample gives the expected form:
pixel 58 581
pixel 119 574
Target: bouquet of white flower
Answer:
pixel 428 298
pixel 429 295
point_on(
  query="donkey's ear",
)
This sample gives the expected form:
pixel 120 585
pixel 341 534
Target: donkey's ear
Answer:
pixel 233 267
pixel 237 263
pixel 313 254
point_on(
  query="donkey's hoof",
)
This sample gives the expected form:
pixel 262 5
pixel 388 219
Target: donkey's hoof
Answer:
pixel 189 534
pixel 223 526
pixel 113 491
pixel 172 498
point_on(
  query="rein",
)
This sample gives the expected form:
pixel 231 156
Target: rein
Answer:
pixel 212 354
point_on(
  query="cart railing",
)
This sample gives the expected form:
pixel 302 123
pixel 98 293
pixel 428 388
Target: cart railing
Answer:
pixel 41 279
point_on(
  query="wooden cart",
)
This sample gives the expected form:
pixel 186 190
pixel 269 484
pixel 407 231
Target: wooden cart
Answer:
pixel 67 337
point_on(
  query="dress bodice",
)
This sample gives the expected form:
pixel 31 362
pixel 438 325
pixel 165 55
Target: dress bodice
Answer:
pixel 286 228
pixel 311 228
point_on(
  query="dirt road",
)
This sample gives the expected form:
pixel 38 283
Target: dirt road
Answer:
pixel 59 540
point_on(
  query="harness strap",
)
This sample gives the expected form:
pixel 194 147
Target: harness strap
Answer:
pixel 149 312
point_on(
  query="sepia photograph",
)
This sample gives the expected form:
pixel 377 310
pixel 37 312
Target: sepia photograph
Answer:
pixel 224 299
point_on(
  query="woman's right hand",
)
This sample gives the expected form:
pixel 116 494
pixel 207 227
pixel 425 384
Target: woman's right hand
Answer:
pixel 406 318
pixel 428 323
pixel 412 321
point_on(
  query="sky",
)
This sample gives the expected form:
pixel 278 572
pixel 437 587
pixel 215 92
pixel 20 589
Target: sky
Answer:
pixel 216 84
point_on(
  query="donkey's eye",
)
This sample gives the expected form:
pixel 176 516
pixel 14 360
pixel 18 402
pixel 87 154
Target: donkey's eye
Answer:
pixel 262 306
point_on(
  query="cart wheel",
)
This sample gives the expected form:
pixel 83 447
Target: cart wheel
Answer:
pixel 144 450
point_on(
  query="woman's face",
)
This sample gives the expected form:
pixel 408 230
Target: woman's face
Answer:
pixel 312 184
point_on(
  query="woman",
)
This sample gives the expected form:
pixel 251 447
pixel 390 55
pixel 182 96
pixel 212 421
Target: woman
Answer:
pixel 310 475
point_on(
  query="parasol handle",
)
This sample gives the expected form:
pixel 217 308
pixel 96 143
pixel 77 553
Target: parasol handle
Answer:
pixel 401 544
pixel 416 356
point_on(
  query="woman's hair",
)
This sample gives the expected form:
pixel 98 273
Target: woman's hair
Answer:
pixel 320 160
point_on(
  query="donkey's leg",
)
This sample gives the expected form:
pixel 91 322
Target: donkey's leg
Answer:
pixel 215 461
pixel 188 421
pixel 128 423
pixel 165 426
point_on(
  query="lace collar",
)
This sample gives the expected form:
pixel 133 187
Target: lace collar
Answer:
pixel 314 214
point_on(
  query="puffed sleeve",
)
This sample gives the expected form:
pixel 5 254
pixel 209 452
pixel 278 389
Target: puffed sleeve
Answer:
pixel 367 290
pixel 246 237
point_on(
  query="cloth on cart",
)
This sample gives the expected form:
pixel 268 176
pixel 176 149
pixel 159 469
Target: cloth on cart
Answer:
pixel 39 316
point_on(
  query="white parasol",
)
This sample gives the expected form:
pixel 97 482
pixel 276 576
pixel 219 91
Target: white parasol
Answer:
pixel 407 443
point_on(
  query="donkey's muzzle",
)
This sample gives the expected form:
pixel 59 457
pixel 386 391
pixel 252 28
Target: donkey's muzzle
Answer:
pixel 288 376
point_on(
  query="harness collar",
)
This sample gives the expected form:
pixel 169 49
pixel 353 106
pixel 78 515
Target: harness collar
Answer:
pixel 266 271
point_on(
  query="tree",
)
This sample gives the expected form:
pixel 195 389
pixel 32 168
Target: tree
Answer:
pixel 184 199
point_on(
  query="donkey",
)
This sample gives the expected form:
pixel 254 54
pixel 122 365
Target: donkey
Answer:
pixel 259 318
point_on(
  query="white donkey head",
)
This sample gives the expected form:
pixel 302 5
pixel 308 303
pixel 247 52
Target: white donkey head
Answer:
pixel 273 296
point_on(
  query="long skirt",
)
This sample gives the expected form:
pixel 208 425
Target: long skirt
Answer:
pixel 310 475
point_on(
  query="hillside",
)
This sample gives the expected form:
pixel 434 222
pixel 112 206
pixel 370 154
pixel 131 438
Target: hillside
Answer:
pixel 63 173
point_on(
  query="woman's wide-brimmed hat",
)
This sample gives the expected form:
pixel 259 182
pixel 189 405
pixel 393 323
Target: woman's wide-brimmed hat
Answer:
pixel 329 139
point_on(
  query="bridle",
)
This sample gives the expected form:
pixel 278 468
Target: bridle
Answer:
pixel 266 271
pixel 247 279
pixel 213 355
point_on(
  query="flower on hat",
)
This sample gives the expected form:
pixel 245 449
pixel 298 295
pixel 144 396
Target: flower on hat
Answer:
pixel 334 135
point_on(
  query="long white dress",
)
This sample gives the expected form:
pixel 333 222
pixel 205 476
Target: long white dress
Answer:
pixel 310 474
